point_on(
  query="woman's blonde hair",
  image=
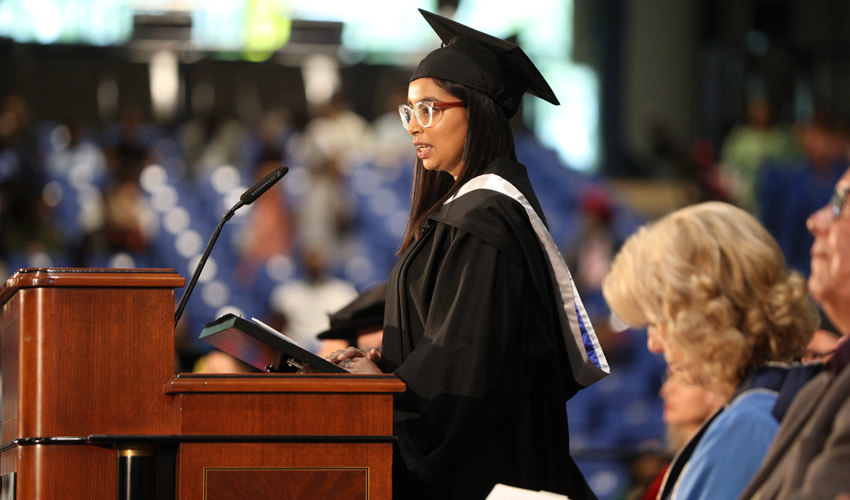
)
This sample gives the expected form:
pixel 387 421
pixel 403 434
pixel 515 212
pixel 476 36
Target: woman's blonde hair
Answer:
pixel 715 280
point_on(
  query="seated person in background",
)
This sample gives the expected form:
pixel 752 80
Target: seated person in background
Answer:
pixel 810 457
pixel 305 304
pixel 720 304
pixel 220 362
pixel 359 324
pixel 686 407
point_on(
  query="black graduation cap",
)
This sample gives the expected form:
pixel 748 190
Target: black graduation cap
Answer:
pixel 365 311
pixel 485 63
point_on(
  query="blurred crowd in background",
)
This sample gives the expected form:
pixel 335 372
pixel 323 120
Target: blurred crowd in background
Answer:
pixel 137 194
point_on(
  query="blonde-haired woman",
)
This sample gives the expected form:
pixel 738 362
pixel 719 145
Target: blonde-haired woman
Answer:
pixel 712 286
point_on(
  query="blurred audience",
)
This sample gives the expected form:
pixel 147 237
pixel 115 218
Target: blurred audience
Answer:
pixel 596 244
pixel 668 156
pixel 77 171
pixel 390 144
pixel 335 134
pixel 749 145
pixel 23 215
pixel 788 193
pixel 210 140
pixel 334 139
pixel 306 303
pixel 128 143
pixel 326 212
pixel 216 361
pixel 269 230
pixel 128 215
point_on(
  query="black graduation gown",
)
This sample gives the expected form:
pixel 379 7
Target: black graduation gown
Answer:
pixel 471 328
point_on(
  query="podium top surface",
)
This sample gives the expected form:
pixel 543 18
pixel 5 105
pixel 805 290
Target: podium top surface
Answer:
pixel 269 383
pixel 90 277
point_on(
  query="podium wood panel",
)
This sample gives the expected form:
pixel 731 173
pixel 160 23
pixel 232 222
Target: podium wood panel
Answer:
pixel 63 472
pixel 294 405
pixel 84 352
pixel 233 484
pixel 80 351
pixel 331 436
pixel 312 471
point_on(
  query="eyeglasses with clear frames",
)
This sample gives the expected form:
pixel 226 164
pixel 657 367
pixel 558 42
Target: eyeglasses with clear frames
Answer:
pixel 837 202
pixel 427 112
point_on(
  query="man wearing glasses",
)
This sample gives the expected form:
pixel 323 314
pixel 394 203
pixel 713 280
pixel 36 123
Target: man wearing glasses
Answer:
pixel 810 456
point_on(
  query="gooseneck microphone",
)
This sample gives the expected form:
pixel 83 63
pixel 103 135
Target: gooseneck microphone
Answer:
pixel 247 198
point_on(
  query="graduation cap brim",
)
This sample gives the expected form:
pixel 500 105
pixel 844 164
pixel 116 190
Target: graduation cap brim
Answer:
pixel 365 311
pixel 350 332
pixel 483 62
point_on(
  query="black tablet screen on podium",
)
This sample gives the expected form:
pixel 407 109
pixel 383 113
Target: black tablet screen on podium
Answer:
pixel 262 347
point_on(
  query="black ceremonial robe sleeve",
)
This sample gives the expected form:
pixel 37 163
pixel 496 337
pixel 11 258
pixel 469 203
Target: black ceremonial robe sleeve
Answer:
pixel 467 330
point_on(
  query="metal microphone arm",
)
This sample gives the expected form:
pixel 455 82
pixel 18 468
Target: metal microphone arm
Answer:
pixel 247 198
pixel 191 286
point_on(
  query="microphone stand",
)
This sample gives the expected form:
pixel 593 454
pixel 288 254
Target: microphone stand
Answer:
pixel 185 298
pixel 247 198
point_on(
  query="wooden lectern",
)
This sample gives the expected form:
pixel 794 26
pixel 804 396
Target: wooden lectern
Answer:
pixel 91 407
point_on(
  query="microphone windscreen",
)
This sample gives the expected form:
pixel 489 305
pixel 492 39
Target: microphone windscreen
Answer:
pixel 263 185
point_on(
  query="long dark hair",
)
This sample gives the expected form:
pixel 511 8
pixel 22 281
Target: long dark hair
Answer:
pixel 488 137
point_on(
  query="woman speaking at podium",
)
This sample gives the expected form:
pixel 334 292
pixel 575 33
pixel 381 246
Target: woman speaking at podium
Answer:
pixel 482 320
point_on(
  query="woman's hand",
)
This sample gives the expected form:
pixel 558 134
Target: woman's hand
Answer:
pixel 356 361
